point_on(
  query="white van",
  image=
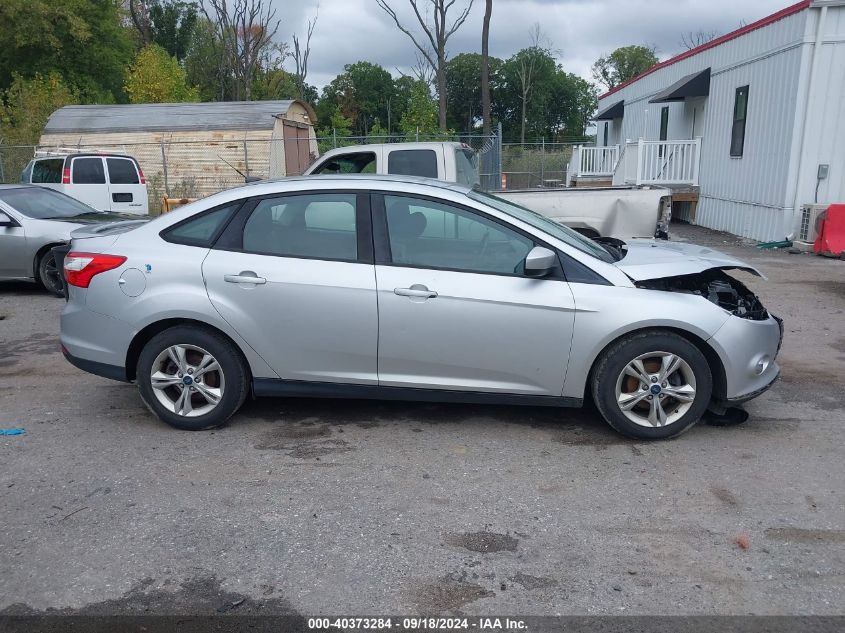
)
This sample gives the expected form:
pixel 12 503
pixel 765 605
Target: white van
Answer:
pixel 106 182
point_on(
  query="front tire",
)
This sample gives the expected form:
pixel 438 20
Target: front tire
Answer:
pixel 48 274
pixel 652 385
pixel 192 378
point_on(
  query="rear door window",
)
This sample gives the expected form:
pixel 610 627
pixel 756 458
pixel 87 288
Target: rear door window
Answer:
pixel 413 162
pixel 122 171
pixel 48 170
pixel 88 171
pixel 314 226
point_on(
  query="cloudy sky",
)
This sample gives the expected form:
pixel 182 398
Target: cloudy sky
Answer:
pixel 580 30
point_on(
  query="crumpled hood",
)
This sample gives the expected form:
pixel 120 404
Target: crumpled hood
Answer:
pixel 648 259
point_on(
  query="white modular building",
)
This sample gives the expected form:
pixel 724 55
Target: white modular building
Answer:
pixel 747 128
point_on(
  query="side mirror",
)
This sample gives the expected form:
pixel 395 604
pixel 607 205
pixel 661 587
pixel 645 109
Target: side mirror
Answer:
pixel 539 261
pixel 6 220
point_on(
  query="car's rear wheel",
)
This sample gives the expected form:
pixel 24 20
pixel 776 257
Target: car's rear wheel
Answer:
pixel 191 378
pixel 652 385
pixel 48 274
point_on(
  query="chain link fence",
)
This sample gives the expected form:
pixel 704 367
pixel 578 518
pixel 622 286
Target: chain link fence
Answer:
pixel 197 168
pixel 530 165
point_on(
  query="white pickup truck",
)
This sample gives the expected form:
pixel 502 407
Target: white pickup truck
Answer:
pixel 618 212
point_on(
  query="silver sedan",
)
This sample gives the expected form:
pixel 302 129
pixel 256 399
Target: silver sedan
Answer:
pixel 32 221
pixel 403 288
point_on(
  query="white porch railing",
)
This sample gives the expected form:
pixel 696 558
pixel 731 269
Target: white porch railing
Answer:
pixel 597 161
pixel 665 162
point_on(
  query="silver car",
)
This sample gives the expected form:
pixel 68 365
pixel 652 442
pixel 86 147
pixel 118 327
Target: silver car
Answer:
pixel 403 288
pixel 32 221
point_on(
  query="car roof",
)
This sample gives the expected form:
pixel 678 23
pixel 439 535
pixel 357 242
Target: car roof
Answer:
pixel 373 179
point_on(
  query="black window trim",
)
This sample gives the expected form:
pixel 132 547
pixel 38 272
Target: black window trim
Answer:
pixel 165 234
pixel 381 238
pixel 231 238
pixel 734 122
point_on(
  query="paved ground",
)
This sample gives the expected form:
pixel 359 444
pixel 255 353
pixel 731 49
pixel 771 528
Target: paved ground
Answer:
pixel 343 507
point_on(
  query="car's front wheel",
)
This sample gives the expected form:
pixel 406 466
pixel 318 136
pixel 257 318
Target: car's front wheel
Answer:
pixel 191 378
pixel 652 385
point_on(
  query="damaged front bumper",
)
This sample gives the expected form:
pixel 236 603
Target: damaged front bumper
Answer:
pixel 748 349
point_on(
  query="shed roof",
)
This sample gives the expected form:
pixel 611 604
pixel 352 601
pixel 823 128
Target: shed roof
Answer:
pixel 170 117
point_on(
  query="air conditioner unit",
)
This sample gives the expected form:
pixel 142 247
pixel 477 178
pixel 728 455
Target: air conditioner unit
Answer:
pixel 808 229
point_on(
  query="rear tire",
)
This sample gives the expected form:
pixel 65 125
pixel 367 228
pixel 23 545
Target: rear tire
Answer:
pixel 652 385
pixel 48 274
pixel 192 378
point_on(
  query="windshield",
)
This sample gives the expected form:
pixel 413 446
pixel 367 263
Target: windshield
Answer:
pixel 559 231
pixel 44 204
pixel 466 167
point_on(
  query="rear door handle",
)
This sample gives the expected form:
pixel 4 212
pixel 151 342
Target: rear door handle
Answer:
pixel 245 277
pixel 417 290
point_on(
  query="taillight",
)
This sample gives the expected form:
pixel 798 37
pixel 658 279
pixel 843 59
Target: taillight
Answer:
pixel 66 176
pixel 80 268
pixel 141 174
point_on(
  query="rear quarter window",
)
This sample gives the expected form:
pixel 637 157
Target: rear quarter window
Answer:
pixel 203 229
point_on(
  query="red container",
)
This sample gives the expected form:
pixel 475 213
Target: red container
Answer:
pixel 831 239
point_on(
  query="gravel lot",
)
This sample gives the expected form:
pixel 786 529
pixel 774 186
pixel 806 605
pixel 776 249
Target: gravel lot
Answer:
pixel 348 507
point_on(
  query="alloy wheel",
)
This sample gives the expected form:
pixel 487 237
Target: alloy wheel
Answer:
pixel 655 389
pixel 187 380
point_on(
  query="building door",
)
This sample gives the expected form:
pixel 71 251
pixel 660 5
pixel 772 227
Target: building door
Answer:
pixel 297 147
pixel 697 117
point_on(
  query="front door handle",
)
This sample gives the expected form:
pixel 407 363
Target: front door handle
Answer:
pixel 244 277
pixel 417 290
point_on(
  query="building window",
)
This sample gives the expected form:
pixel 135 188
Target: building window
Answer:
pixel 738 128
pixel 664 127
pixel 606 125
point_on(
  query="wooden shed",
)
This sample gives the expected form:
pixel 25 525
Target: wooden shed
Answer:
pixel 194 149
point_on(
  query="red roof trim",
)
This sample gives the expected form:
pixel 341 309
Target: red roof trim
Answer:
pixel 774 17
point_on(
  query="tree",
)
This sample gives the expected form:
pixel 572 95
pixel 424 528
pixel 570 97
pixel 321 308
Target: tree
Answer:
pixel 420 118
pixel 156 77
pixel 172 24
pixel 526 67
pixel 271 80
pixel 485 69
pixel 168 23
pixel 623 64
pixel 301 52
pixel 362 93
pixel 243 29
pixel 205 65
pixel 585 104
pixel 29 103
pixel 694 39
pixel 433 46
pixel 83 41
pixel 464 95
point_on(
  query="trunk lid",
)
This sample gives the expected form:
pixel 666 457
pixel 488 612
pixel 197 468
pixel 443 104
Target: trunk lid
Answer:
pixel 103 229
pixel 647 259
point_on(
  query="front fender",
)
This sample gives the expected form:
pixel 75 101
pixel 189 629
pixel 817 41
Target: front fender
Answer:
pixel 605 313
